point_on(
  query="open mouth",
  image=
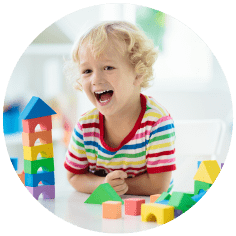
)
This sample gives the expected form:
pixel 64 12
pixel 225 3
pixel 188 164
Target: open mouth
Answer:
pixel 104 96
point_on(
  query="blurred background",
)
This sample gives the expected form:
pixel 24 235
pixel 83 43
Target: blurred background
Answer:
pixel 189 82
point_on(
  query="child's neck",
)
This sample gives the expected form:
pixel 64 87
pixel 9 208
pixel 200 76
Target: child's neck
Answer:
pixel 127 118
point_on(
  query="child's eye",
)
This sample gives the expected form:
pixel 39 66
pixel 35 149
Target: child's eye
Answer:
pixel 108 68
pixel 87 71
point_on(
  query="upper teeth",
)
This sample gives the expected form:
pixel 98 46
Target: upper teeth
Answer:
pixel 102 91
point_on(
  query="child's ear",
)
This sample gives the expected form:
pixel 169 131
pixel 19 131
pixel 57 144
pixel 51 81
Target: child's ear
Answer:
pixel 138 80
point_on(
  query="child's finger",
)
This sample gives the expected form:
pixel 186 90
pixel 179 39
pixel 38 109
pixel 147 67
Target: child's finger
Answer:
pixel 122 189
pixel 119 174
pixel 117 182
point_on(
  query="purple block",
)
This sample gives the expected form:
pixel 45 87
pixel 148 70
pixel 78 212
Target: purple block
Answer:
pixel 48 191
pixel 222 165
pixel 177 213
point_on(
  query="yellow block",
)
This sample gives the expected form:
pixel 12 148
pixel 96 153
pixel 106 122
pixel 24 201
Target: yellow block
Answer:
pixel 157 212
pixel 31 153
pixel 207 171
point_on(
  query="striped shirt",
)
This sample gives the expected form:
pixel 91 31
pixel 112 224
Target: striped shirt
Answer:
pixel 149 147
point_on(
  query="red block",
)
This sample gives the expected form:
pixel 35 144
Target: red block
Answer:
pixel 133 206
pixel 30 125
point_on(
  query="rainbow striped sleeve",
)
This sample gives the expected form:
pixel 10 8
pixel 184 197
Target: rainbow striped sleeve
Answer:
pixel 76 159
pixel 160 152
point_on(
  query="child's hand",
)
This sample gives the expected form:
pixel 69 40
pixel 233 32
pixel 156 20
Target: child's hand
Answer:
pixel 117 181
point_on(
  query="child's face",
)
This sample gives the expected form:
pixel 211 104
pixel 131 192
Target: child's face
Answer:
pixel 110 72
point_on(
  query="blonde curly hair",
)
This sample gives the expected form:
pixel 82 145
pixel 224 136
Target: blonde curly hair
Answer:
pixel 128 39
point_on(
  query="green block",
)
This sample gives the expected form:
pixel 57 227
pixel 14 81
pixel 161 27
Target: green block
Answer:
pixel 31 167
pixel 181 201
pixel 103 193
pixel 164 196
pixel 198 185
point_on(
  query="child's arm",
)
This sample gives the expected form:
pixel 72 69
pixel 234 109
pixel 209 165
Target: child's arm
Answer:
pixel 149 184
pixel 87 183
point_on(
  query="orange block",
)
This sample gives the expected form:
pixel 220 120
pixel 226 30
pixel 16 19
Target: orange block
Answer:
pixel 29 139
pixel 22 177
pixel 154 197
pixel 111 210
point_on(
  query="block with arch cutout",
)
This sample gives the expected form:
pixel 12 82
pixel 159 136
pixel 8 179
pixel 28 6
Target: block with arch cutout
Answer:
pixel 29 139
pixel 31 167
pixel 45 124
pixel 31 153
pixel 157 212
pixel 47 178
pixel 48 191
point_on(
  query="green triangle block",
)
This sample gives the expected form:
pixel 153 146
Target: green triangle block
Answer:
pixel 103 193
pixel 181 201
pixel 164 196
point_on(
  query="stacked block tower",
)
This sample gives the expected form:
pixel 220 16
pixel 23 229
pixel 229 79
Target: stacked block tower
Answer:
pixel 36 156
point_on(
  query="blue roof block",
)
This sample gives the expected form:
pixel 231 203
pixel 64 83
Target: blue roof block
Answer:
pixel 36 108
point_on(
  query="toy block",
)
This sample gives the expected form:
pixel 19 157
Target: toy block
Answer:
pixel 32 180
pixel 36 108
pixel 198 185
pixel 45 124
pixel 222 164
pixel 29 139
pixel 157 212
pixel 199 163
pixel 197 197
pixel 111 210
pixel 14 161
pixel 22 177
pixel 31 153
pixel 154 197
pixel 208 171
pixel 48 191
pixel 164 202
pixel 31 167
pixel 181 201
pixel 164 196
pixel 133 206
pixel 104 192
pixel 177 213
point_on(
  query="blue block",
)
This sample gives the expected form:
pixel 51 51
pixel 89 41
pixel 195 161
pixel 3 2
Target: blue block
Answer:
pixel 164 202
pixel 32 180
pixel 14 161
pixel 197 197
pixel 177 213
pixel 199 163
pixel 36 108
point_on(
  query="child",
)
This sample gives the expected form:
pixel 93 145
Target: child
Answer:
pixel 127 140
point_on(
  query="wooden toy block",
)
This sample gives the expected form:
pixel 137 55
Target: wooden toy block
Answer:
pixel 164 202
pixel 111 210
pixel 154 197
pixel 29 139
pixel 104 192
pixel 164 196
pixel 157 212
pixel 36 108
pixel 197 197
pixel 45 124
pixel 32 180
pixel 208 171
pixel 222 164
pixel 48 191
pixel 181 201
pixel 22 177
pixel 31 153
pixel 31 167
pixel 198 185
pixel 133 206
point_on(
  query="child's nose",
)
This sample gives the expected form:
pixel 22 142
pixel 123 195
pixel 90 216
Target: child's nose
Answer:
pixel 97 78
